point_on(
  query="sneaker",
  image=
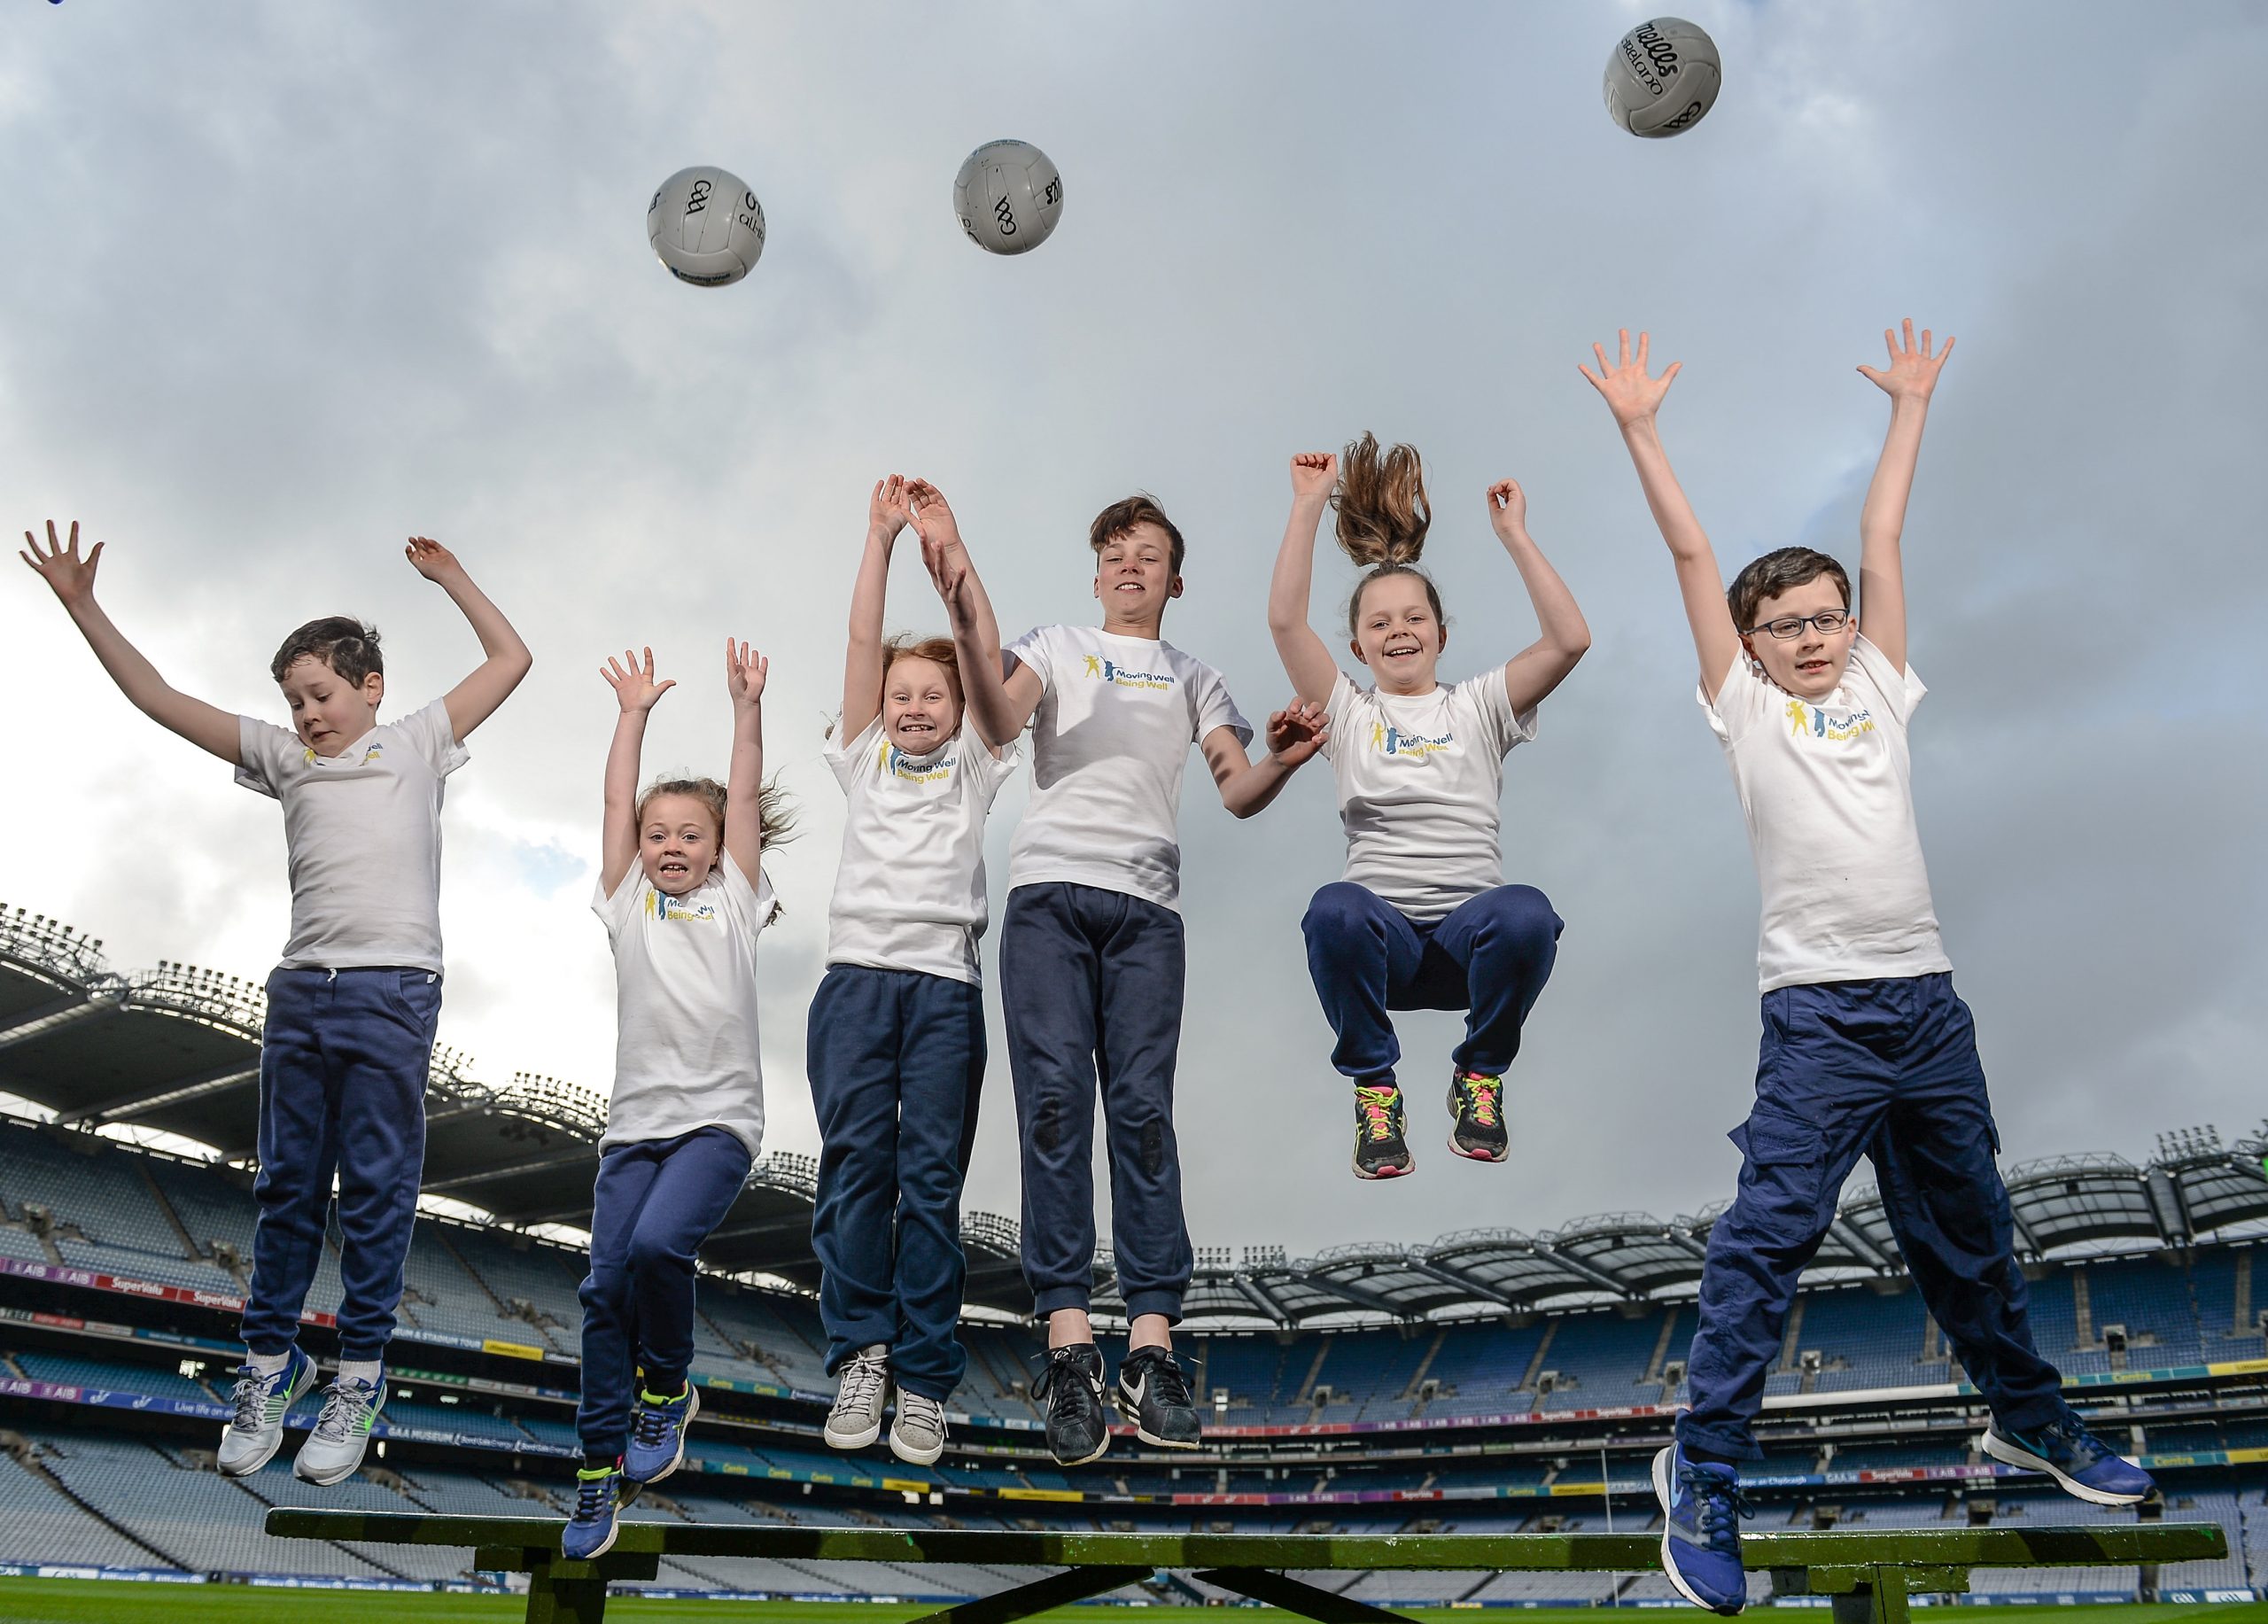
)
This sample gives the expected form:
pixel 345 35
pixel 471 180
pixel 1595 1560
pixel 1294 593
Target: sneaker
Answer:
pixel 657 1436
pixel 1702 1509
pixel 861 1393
pixel 333 1451
pixel 1153 1394
pixel 1380 1151
pixel 255 1432
pixel 1478 1105
pixel 2075 1458
pixel 590 1531
pixel 1072 1386
pixel 917 1433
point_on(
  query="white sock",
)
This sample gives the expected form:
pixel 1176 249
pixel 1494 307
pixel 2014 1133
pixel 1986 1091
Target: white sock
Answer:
pixel 268 1364
pixel 361 1370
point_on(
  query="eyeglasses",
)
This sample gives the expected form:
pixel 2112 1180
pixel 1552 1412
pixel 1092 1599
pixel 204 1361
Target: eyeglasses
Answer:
pixel 1828 621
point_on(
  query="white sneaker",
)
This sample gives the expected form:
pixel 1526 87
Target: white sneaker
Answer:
pixel 255 1432
pixel 333 1451
pixel 918 1435
pixel 856 1420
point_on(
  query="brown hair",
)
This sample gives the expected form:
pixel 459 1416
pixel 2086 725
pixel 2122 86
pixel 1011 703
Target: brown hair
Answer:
pixel 1778 571
pixel 1383 517
pixel 339 641
pixel 1121 516
pixel 775 816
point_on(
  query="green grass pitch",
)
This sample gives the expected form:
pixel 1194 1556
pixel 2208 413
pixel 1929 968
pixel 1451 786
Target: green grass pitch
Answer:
pixel 74 1601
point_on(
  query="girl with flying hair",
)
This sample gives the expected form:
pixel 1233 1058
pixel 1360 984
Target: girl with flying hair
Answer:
pixel 1421 918
pixel 683 894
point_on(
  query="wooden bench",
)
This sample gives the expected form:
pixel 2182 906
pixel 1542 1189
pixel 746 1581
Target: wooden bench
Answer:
pixel 1869 1574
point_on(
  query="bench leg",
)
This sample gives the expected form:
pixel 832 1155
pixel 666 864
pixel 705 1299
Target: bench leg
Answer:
pixel 1056 1590
pixel 1880 1602
pixel 564 1601
pixel 1298 1596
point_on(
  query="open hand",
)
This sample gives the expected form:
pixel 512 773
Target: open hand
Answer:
pixel 1315 475
pixel 745 671
pixel 70 576
pixel 633 685
pixel 1912 371
pixel 886 508
pixel 1629 393
pixel 1508 507
pixel 1296 732
pixel 430 559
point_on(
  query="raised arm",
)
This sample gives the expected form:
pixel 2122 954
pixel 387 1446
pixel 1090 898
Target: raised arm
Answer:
pixel 745 671
pixel 1531 674
pixel 73 580
pixel 1633 398
pixel 1908 380
pixel 635 690
pixel 862 658
pixel 999 707
pixel 1306 656
pixel 1295 735
pixel 474 699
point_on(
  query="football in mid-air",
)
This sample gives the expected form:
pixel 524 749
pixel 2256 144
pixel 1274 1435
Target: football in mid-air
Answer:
pixel 1663 77
pixel 706 226
pixel 1008 197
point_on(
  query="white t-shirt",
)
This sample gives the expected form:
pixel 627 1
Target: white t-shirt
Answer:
pixel 685 1046
pixel 1420 777
pixel 909 892
pixel 362 836
pixel 1828 792
pixel 1109 741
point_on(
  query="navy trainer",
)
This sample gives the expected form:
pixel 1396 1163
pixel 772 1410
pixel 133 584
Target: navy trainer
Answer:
pixel 590 1532
pixel 2067 1451
pixel 1702 1509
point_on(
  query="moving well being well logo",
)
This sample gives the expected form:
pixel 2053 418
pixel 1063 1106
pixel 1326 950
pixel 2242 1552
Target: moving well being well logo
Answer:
pixel 1387 740
pixel 1109 670
pixel 1810 722
pixel 915 769
pixel 679 910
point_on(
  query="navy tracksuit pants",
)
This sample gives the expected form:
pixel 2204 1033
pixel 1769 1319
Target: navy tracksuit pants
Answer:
pixel 1091 982
pixel 1887 1068
pixel 896 1062
pixel 1489 957
pixel 342 1060
pixel 654 1202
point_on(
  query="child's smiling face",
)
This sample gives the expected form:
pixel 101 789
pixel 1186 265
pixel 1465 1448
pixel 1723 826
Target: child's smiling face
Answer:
pixel 677 843
pixel 329 712
pixel 1810 664
pixel 1398 635
pixel 920 704
pixel 1134 575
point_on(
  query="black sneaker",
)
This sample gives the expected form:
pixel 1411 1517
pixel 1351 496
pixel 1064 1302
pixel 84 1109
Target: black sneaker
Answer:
pixel 1072 1386
pixel 1155 1396
pixel 1477 1104
pixel 1381 1151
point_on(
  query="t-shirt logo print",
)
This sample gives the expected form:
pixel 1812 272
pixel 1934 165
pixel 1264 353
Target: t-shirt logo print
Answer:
pixel 915 769
pixel 1111 671
pixel 369 755
pixel 666 909
pixel 1810 721
pixel 1388 740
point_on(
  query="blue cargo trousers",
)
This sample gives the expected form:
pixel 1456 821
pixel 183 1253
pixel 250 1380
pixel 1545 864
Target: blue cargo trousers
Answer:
pixel 1887 1068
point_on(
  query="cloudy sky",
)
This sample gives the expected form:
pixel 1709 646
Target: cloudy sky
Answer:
pixel 286 283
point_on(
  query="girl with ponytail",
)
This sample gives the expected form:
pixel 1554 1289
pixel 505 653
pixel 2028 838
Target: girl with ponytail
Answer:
pixel 1421 918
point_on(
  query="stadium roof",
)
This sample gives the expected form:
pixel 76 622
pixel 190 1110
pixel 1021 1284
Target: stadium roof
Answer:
pixel 177 1049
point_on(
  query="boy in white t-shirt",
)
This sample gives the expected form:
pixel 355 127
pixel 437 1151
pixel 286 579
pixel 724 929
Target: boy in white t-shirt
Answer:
pixel 897 1044
pixel 352 1007
pixel 1092 960
pixel 1867 1048
pixel 683 894
pixel 1422 918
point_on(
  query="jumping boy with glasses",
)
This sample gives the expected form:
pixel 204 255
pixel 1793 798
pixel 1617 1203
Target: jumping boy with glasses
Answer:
pixel 1867 1048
